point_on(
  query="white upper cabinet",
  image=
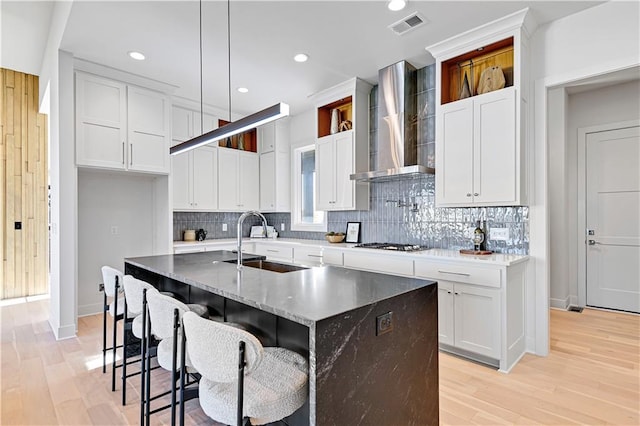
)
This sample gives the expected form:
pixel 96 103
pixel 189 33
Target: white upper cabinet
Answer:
pixel 478 157
pixel 120 126
pixel 334 165
pixel 342 146
pixel 275 166
pixel 481 134
pixel 194 174
pixel 101 122
pixel 238 174
pixel 148 134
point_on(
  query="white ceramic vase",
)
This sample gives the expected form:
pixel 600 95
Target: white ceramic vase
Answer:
pixel 335 120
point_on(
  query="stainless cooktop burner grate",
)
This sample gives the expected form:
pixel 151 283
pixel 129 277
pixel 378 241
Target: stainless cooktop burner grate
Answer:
pixel 393 246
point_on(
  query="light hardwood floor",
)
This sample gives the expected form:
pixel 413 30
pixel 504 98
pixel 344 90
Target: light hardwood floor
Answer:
pixel 591 377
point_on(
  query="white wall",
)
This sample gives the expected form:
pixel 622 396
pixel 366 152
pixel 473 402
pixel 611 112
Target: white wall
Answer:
pixel 302 128
pixel 596 41
pixel 105 201
pixel 63 181
pixel 602 37
pixel 557 158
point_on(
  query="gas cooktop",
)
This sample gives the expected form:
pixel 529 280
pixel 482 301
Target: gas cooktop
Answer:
pixel 393 246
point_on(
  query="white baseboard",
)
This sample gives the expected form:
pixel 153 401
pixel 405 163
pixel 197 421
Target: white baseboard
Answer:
pixel 90 309
pixel 66 332
pixel 530 344
pixel 559 303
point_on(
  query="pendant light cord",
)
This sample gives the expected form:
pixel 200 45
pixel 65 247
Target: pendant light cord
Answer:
pixel 201 102
pixel 229 51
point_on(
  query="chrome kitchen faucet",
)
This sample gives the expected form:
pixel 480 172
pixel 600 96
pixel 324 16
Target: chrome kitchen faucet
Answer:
pixel 241 219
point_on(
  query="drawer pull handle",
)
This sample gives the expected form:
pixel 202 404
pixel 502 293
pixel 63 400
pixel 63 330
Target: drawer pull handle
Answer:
pixel 273 251
pixel 456 293
pixel 448 291
pixel 315 255
pixel 455 273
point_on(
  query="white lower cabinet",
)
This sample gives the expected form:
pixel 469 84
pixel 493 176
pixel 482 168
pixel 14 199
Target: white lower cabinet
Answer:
pixel 468 317
pixel 480 309
pixel 395 265
pixel 274 251
pixel 333 257
pixel 308 255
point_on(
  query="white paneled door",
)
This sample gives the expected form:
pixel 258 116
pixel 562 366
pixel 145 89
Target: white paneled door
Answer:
pixel 613 219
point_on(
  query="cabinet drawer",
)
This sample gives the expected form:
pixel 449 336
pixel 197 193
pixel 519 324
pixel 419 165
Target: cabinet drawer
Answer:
pixel 308 255
pixel 385 264
pixel 274 251
pixel 332 257
pixel 489 277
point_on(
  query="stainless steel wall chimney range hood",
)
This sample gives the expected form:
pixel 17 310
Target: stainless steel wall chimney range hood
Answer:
pixel 397 142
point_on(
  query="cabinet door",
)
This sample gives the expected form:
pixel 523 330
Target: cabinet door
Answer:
pixel 477 319
pixel 100 122
pixel 205 178
pixel 148 130
pixel 283 180
pixel 182 124
pixel 343 169
pixel 325 173
pixel 454 154
pixel 210 123
pixel 495 153
pixel 445 312
pixel 228 179
pixel 249 180
pixel 268 181
pixel 267 137
pixel 181 181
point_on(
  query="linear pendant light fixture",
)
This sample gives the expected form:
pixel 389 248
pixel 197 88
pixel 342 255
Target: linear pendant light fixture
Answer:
pixel 259 118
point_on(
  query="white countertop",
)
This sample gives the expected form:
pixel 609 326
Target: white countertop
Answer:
pixel 429 254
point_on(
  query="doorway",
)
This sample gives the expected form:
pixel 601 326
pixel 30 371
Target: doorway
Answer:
pixel 611 255
pixel 24 234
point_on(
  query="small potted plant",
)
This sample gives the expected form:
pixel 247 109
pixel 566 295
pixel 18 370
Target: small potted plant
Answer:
pixel 334 237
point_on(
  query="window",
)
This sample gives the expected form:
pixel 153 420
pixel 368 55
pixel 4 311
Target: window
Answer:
pixel 304 216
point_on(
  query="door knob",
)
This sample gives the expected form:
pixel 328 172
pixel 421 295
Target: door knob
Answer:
pixel 592 242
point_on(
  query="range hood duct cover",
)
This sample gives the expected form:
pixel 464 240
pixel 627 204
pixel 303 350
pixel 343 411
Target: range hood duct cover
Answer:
pixel 397 144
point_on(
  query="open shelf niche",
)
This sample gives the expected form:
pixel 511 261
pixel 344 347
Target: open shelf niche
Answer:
pixel 344 106
pixel 472 64
pixel 250 139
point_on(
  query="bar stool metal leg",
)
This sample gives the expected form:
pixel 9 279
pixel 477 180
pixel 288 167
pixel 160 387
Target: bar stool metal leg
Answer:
pixel 105 308
pixel 147 386
pixel 174 364
pixel 183 353
pixel 115 336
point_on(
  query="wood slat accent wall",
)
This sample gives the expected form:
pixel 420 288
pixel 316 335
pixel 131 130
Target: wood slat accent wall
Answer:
pixel 24 270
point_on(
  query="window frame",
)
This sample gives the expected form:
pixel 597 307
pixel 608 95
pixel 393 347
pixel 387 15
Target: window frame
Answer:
pixel 296 191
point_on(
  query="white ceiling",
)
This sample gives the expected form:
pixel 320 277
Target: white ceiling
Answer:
pixel 342 38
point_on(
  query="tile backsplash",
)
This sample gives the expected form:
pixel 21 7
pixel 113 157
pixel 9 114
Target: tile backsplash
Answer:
pixel 419 223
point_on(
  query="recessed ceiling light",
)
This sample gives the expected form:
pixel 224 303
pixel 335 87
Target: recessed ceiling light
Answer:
pixel 396 5
pixel 243 89
pixel 301 57
pixel 136 55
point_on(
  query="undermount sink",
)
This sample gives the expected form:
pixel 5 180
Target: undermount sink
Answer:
pixel 272 266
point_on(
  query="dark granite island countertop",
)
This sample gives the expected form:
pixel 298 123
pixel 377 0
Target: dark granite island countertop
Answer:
pixel 357 374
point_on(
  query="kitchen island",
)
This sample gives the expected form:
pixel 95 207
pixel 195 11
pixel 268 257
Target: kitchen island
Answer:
pixel 371 339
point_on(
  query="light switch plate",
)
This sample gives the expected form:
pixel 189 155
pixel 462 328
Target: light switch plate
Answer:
pixel 224 227
pixel 499 234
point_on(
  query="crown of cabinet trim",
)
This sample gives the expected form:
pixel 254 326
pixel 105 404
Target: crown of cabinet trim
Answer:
pixel 488 33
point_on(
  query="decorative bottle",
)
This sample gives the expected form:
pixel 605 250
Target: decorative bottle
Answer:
pixel 483 245
pixel 478 237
